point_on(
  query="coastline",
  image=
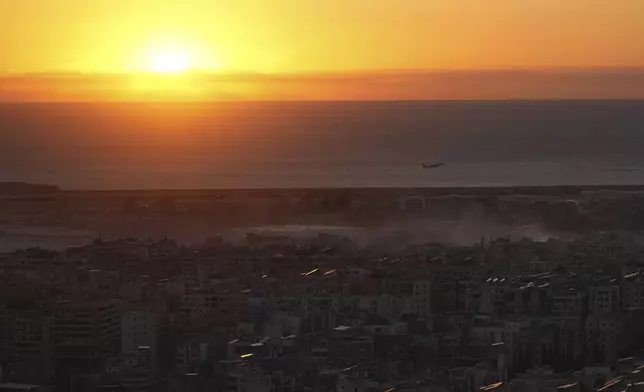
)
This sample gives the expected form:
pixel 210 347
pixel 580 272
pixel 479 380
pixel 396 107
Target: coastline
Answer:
pixel 492 190
pixel 449 214
pixel 20 188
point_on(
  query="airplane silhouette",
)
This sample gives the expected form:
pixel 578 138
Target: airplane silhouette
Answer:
pixel 433 165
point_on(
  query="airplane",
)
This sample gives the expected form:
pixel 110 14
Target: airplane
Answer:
pixel 433 165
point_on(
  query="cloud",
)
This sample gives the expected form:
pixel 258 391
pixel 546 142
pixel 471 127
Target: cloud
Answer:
pixel 379 85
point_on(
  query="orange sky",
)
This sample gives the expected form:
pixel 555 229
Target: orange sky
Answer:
pixel 321 35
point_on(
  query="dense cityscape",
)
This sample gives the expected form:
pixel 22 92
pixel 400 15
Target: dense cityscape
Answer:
pixel 274 312
pixel 321 196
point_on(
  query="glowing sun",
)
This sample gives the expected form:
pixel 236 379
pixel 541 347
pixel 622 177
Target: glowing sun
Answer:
pixel 170 61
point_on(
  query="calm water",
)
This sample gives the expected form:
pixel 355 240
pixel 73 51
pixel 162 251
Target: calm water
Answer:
pixel 317 144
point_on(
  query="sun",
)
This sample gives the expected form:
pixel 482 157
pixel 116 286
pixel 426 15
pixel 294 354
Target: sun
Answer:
pixel 170 61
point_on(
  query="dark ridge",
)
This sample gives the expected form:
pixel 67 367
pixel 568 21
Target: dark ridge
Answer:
pixel 23 187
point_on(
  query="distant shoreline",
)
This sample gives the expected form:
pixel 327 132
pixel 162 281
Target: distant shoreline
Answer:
pixel 193 214
pixel 21 188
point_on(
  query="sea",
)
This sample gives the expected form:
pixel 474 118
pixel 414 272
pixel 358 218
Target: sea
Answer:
pixel 191 145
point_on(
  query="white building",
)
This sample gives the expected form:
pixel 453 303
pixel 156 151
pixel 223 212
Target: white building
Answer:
pixel 603 299
pixel 415 295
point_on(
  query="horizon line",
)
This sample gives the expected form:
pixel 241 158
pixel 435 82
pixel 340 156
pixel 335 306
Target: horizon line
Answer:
pixel 353 72
pixel 586 186
pixel 305 100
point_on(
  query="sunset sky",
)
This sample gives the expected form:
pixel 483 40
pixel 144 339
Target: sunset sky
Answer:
pixel 304 36
pixel 330 35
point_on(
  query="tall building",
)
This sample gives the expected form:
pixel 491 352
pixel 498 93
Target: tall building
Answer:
pixel 86 332
pixel 33 353
pixel 140 328
pixel 6 335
